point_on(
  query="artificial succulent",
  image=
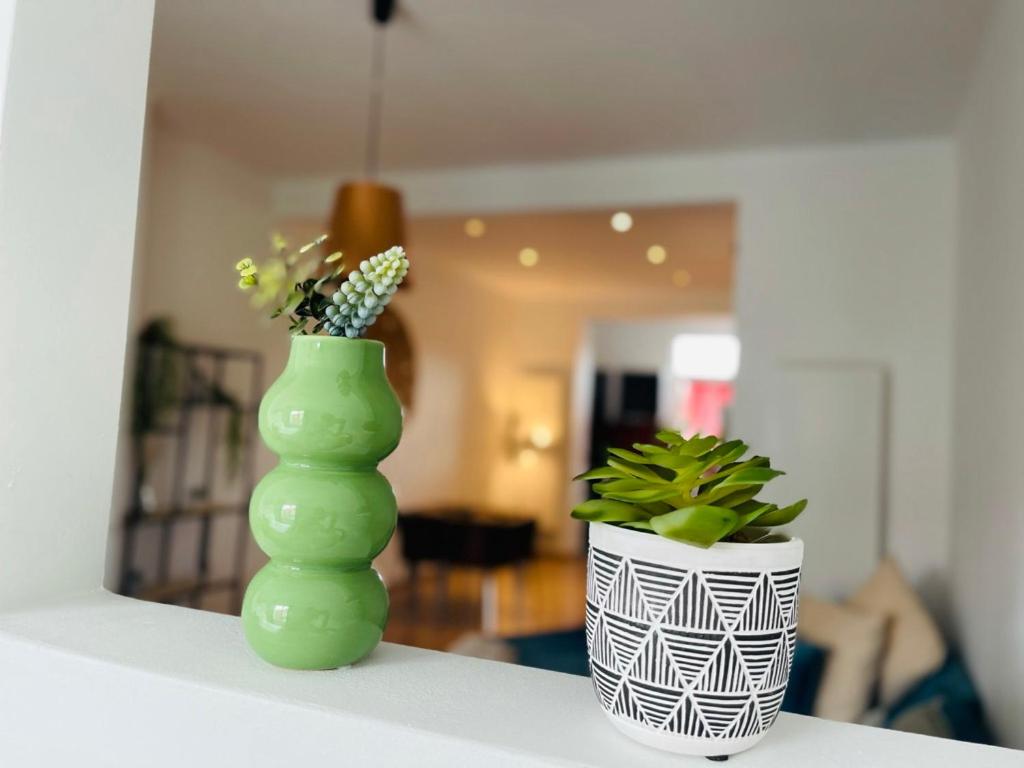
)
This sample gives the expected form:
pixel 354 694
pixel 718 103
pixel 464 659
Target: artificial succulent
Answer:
pixel 697 490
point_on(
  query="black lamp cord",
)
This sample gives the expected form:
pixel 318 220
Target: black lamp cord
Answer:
pixel 381 10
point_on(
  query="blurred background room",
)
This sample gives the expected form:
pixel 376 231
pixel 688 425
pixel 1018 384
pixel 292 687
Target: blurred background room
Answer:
pixel 794 222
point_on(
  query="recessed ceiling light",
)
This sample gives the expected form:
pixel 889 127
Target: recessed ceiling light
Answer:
pixel 528 257
pixel 681 278
pixel 622 222
pixel 657 254
pixel 475 227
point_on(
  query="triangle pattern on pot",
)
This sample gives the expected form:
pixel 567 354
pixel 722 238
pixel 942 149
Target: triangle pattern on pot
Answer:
pixel 719 710
pixel 726 673
pixel 778 668
pixel 624 596
pixel 758 650
pixel 590 621
pixel 685 719
pixel 786 585
pixel 769 703
pixel 602 648
pixel 730 591
pixel 656 702
pixel 654 663
pixel 603 567
pixel 762 610
pixel 626 705
pixel 657 583
pixel 691 607
pixel 747 722
pixel 606 684
pixel 626 637
pixel 691 651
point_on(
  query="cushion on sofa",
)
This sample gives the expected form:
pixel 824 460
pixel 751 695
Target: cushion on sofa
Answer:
pixel 853 640
pixel 945 703
pixel 914 647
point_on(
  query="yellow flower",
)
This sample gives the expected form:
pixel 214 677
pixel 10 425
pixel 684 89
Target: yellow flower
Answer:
pixel 310 246
pixel 272 282
pixel 247 281
pixel 246 267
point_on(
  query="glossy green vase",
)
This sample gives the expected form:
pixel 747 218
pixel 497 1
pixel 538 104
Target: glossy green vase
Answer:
pixel 325 511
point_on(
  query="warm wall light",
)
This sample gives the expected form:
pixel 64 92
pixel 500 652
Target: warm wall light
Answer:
pixel 475 227
pixel 528 257
pixel 529 445
pixel 681 278
pixel 535 440
pixel 657 254
pixel 705 356
pixel 541 436
pixel 622 222
pixel 527 457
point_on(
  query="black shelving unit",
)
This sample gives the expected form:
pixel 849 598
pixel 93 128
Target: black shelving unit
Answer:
pixel 196 391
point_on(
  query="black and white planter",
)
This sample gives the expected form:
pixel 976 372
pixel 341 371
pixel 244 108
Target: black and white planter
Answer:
pixel 690 648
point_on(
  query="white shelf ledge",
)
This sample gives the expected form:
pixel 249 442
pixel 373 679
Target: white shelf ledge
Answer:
pixel 105 680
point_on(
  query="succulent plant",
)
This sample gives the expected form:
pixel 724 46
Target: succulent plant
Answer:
pixel 360 300
pixel 697 490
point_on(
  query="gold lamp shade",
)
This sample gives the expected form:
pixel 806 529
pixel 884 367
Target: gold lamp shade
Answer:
pixel 366 220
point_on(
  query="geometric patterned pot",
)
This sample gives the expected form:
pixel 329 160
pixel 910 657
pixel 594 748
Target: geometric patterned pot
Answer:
pixel 690 649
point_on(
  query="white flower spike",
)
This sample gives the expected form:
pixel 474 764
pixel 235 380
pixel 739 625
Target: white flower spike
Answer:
pixel 368 290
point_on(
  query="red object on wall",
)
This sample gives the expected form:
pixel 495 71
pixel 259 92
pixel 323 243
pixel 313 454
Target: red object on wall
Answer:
pixel 704 407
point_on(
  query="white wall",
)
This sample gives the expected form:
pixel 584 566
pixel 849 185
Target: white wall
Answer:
pixel 6 28
pixel 988 513
pixel 206 211
pixel 69 171
pixel 849 257
pixel 124 478
pixel 845 253
pixel 199 212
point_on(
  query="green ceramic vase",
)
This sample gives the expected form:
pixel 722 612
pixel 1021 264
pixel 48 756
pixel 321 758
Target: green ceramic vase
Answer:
pixel 325 511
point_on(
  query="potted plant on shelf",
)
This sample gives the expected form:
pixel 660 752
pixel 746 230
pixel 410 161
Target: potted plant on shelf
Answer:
pixel 325 511
pixel 691 595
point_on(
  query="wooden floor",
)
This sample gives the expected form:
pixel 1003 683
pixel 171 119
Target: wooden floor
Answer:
pixel 547 595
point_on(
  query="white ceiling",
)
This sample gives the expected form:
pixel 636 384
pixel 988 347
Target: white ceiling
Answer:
pixel 282 85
